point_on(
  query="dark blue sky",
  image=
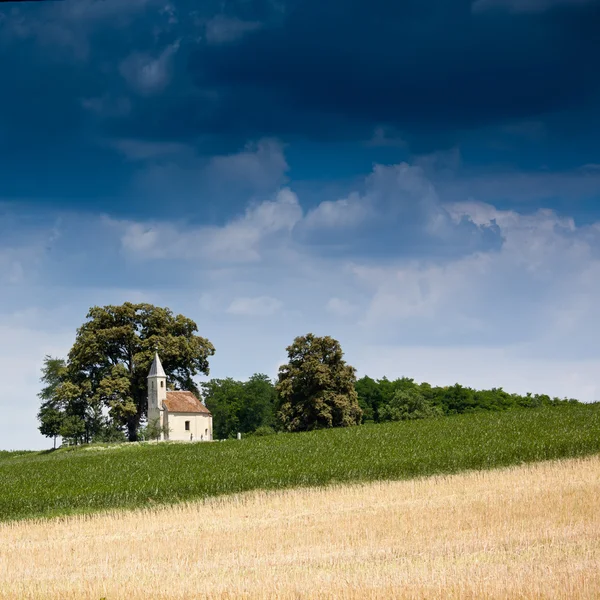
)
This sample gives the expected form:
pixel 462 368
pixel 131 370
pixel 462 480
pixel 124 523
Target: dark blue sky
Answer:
pixel 513 84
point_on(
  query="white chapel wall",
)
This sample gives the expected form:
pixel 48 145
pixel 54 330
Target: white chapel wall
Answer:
pixel 200 426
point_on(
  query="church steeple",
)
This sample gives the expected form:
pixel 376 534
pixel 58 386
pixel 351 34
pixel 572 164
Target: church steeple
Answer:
pixel 157 391
pixel 156 369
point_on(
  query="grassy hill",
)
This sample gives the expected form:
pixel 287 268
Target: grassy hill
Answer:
pixel 90 479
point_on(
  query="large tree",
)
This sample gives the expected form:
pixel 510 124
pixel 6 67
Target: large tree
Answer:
pixel 113 350
pixel 316 388
pixel 240 406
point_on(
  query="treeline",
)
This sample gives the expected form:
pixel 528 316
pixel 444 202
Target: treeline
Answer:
pixel 99 391
pixel 250 407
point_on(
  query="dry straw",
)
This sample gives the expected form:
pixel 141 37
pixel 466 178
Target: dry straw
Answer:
pixel 525 532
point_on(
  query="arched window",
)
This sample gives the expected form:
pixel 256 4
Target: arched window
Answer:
pixel 162 384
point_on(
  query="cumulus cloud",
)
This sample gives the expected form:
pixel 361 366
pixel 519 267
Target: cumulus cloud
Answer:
pixel 238 241
pixel 536 287
pixel 147 74
pixel 347 212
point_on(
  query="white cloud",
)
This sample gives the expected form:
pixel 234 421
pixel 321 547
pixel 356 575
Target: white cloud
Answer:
pixel 221 29
pixel 238 241
pixel 347 212
pixel 261 306
pixel 146 74
pixel 536 289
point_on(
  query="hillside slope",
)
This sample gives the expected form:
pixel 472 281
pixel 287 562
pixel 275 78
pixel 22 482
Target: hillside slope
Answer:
pixel 46 484
pixel 525 532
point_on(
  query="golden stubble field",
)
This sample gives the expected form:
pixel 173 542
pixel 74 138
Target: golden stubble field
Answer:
pixel 526 532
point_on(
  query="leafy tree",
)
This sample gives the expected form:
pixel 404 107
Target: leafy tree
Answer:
pixel 53 374
pixel 72 429
pixel 457 399
pixel 63 408
pixel 240 406
pixel 108 364
pixel 51 420
pixel 316 388
pixel 224 398
pixel 258 406
pixel 408 404
pixel 369 398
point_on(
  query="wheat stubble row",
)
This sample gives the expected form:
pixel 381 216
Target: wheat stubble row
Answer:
pixel 525 532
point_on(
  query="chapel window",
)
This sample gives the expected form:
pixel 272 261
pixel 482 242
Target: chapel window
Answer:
pixel 187 425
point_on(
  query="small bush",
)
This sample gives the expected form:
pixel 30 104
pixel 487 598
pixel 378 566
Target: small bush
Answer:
pixel 264 430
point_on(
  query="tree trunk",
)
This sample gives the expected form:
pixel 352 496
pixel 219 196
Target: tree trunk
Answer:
pixel 132 428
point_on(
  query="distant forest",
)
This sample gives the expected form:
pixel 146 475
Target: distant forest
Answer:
pixel 249 406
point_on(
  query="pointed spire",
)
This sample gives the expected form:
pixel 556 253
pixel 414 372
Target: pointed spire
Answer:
pixel 156 370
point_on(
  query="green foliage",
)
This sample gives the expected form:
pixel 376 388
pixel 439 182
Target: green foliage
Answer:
pixel 238 406
pixel 263 430
pixel 153 430
pixel 316 388
pixel 376 399
pixel 109 362
pixel 111 433
pixel 408 404
pixel 72 429
pixel 83 479
pixel 51 420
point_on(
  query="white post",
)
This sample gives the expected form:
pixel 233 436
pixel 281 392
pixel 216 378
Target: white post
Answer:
pixel 239 436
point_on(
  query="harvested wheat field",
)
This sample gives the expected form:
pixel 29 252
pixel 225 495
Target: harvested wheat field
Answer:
pixel 524 532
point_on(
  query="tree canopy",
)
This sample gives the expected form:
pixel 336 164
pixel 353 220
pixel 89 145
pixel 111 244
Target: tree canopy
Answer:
pixel 316 388
pixel 109 362
pixel 240 406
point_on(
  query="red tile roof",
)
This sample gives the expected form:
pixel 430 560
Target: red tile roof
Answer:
pixel 184 402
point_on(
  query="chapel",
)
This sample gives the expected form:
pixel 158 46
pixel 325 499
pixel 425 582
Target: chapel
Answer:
pixel 181 414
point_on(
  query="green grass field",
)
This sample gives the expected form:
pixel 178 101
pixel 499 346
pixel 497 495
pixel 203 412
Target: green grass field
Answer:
pixel 45 484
